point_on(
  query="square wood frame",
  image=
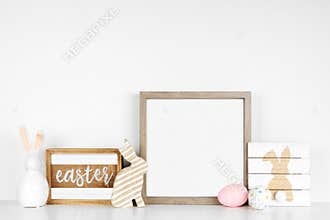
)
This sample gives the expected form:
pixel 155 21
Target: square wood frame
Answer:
pixel 51 151
pixel 144 96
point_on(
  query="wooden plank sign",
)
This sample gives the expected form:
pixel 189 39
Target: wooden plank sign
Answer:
pixel 301 182
pixel 82 175
pixel 283 169
pixel 295 166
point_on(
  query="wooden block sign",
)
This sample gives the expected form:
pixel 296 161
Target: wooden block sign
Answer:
pixel 284 169
pixel 82 175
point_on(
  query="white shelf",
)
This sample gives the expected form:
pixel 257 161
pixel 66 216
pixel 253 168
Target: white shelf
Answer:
pixel 11 210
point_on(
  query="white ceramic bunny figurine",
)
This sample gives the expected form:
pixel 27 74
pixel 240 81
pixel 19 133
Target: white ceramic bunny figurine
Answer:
pixel 33 190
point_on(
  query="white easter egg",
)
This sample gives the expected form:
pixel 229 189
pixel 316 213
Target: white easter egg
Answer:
pixel 259 197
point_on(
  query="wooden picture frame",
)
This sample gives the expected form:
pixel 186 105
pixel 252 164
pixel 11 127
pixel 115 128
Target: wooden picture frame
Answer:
pixel 94 157
pixel 157 97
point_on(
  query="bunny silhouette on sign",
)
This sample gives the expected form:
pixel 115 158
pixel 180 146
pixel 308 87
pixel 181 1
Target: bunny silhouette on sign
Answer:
pixel 33 189
pixel 279 167
pixel 129 181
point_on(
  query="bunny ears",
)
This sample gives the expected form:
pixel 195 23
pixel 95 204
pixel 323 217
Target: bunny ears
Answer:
pixel 27 144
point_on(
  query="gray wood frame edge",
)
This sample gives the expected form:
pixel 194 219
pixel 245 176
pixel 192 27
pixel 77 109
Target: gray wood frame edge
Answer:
pixel 145 95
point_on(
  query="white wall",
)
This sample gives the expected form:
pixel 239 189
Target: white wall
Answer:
pixel 279 50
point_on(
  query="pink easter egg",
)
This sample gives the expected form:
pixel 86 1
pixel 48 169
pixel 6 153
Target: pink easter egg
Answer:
pixel 233 195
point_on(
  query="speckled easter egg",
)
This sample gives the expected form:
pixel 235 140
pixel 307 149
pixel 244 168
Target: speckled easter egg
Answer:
pixel 233 195
pixel 259 197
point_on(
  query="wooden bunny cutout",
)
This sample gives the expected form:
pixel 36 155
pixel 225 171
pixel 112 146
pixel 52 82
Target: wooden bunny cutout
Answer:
pixel 280 167
pixel 129 181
